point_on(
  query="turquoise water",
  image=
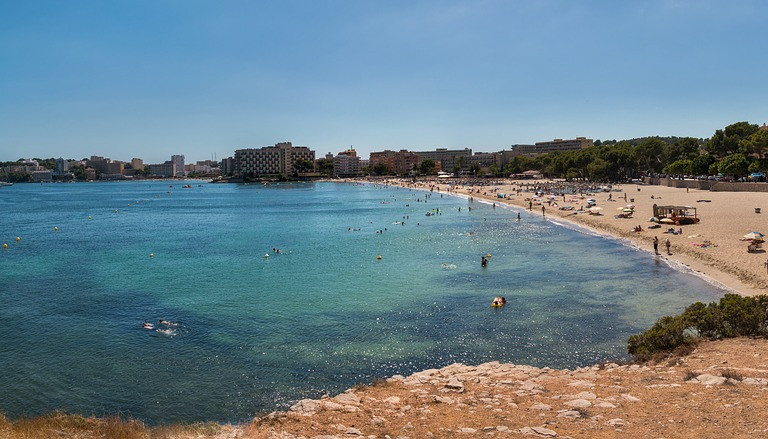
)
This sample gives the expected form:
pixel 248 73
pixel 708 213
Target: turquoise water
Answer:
pixel 256 334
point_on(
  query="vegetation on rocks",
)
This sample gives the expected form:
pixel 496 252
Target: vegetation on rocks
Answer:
pixel 733 316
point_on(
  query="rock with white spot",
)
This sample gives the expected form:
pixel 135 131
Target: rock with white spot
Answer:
pixel 467 430
pixel 378 420
pixel 585 395
pixel 541 406
pixel 353 432
pixel 628 397
pixel 444 399
pixel 582 383
pixel 616 422
pixel 332 406
pixel 502 428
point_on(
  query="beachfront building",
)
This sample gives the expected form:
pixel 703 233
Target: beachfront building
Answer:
pixel 227 166
pixel 137 163
pixel 556 145
pixel 397 162
pixel 167 169
pixel 346 164
pixel 178 160
pixel 449 159
pixel 271 161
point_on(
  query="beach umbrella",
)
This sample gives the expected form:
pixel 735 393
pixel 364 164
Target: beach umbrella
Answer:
pixel 628 210
pixel 666 221
pixel 595 209
pixel 630 206
pixel 619 208
pixel 754 235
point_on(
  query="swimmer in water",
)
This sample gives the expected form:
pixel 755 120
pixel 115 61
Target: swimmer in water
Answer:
pixel 148 325
pixel 168 323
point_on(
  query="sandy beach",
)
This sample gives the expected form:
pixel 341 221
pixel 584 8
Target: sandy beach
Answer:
pixel 725 217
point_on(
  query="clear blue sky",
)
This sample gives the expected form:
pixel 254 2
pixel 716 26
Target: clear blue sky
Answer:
pixel 153 78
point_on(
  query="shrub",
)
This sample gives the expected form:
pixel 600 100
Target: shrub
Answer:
pixel 734 316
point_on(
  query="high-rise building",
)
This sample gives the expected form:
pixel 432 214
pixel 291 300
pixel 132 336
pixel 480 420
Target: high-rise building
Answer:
pixel 271 160
pixel 178 160
pixel 346 164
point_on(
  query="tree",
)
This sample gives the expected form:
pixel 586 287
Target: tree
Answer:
pixel 734 164
pixel 756 144
pixel 381 169
pixel 728 141
pixel 701 163
pixel 303 165
pixel 494 169
pixel 679 167
pixel 458 165
pixel 427 167
pixel 325 166
pixel 598 169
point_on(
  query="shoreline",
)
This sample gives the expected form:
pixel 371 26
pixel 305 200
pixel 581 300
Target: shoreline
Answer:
pixel 726 266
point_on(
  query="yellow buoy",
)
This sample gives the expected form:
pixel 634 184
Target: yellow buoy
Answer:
pixel 378 257
pixel 5 245
pixel 151 255
pixel 55 229
pixel 18 239
pixel 488 256
pixel 115 210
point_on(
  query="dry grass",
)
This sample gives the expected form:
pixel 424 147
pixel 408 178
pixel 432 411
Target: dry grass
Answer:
pixel 61 425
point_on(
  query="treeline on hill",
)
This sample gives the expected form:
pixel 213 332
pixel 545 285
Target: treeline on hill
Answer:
pixel 737 150
pixel 734 316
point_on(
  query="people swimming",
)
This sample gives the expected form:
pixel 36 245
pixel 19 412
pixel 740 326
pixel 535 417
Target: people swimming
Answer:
pixel 483 261
pixel 499 301
pixel 167 323
pixel 148 325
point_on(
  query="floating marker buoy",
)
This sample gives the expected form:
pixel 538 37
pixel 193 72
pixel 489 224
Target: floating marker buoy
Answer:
pixel 55 229
pixel 89 217
pixel 151 255
pixel 378 257
pixel 5 245
pixel 266 255
pixel 18 239
pixel 115 210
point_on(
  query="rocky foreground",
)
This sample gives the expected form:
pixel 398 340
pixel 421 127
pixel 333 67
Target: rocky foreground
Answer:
pixel 717 391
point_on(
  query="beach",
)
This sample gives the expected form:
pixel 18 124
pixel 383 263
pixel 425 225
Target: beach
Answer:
pixel 725 217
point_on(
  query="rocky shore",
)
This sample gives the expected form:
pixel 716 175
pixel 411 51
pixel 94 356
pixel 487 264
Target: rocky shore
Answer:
pixel 718 390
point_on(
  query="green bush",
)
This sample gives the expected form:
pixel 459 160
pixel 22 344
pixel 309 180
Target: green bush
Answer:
pixel 734 316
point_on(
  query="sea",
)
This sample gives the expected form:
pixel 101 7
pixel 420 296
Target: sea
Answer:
pixel 365 285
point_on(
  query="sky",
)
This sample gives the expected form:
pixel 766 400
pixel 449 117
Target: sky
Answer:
pixel 152 78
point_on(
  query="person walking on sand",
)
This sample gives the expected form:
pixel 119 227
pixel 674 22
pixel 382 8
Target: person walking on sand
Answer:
pixel 656 244
pixel 542 211
pixel 668 244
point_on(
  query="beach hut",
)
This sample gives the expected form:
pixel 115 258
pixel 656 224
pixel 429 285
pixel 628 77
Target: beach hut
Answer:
pixel 677 214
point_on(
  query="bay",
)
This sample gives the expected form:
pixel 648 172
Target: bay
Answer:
pixel 256 334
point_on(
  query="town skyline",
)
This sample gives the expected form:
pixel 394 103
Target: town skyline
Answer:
pixel 158 79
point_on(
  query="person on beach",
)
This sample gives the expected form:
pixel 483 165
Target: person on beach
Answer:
pixel 656 244
pixel 542 211
pixel 668 244
pixel 530 204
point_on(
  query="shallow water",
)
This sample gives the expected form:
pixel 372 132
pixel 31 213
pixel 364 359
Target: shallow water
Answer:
pixel 255 334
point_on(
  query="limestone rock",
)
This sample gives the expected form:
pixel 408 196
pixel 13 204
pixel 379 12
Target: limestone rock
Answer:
pixel 541 406
pixel 306 407
pixel 579 403
pixel 616 422
pixel 708 380
pixel 455 384
pixel 348 399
